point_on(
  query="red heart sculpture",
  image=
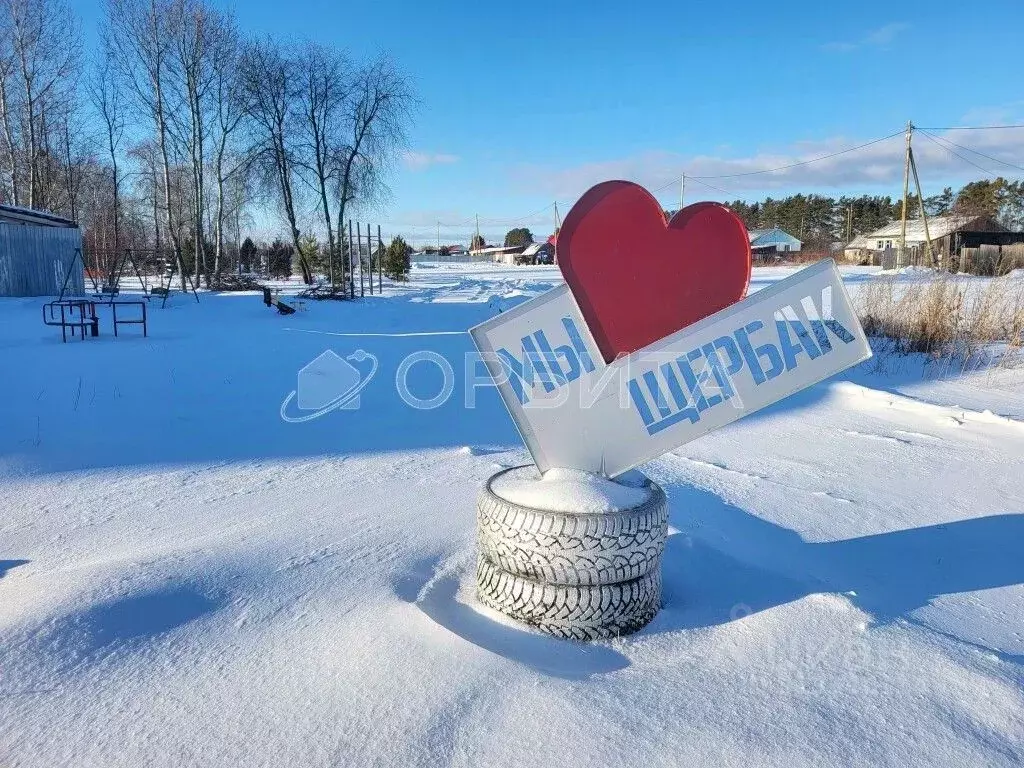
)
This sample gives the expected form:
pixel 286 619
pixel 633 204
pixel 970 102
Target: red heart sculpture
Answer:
pixel 637 279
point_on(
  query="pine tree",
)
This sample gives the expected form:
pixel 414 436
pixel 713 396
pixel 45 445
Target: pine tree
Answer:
pixel 248 255
pixel 396 260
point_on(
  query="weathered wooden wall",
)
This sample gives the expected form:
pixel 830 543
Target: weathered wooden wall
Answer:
pixel 34 260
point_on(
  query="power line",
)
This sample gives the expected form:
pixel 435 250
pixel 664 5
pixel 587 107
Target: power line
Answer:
pixel 972 128
pixel 953 152
pixel 968 149
pixel 779 168
pixel 704 183
pixel 801 162
pixel 941 142
pixel 501 222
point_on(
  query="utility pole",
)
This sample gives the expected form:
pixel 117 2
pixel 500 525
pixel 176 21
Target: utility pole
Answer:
pixel 682 190
pixel 369 256
pixel 477 239
pixel 906 190
pixel 924 216
pixel 849 222
pixel 439 240
pixel 359 255
pixel 351 265
pixel 558 226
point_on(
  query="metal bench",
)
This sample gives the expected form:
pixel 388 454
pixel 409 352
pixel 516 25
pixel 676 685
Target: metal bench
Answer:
pixel 131 320
pixel 66 319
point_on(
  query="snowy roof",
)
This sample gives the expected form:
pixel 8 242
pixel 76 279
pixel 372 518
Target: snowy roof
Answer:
pixel 938 227
pixel 860 241
pixel 533 249
pixel 756 234
pixel 496 249
pixel 13 214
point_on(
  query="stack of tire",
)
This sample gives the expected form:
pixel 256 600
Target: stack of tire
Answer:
pixel 583 576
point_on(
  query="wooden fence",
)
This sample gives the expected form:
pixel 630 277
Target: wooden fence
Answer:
pixel 992 260
pixel 34 260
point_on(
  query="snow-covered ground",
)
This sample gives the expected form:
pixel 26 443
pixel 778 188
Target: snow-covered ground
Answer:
pixel 188 579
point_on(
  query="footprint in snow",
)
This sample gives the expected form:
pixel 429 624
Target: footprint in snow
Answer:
pixel 721 466
pixel 477 450
pixel 833 496
pixel 883 438
pixel 921 435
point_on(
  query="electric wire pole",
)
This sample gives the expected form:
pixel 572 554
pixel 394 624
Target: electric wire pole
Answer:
pixel 558 226
pixel 682 190
pixel 911 166
pixel 924 216
pixel 906 190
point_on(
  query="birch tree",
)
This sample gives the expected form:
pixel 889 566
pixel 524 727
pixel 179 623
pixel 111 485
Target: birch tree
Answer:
pixel 379 104
pixel 107 103
pixel 43 38
pixel 140 31
pixel 9 159
pixel 270 97
pixel 229 111
pixel 326 77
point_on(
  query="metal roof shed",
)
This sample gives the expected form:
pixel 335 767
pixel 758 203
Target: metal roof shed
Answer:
pixel 36 251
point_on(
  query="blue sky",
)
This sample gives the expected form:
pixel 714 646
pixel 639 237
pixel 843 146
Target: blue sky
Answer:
pixel 523 104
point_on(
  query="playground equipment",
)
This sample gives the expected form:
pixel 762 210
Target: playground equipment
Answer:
pixel 86 317
pixel 272 301
pixel 112 287
pixel 139 261
pixel 79 316
pixel 166 290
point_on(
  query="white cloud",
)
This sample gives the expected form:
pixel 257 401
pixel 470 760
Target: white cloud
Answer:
pixel 876 38
pixel 420 161
pixel 877 166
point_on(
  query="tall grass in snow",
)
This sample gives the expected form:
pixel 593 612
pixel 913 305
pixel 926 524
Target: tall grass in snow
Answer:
pixel 958 322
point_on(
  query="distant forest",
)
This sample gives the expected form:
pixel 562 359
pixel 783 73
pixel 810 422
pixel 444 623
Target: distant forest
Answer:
pixel 819 220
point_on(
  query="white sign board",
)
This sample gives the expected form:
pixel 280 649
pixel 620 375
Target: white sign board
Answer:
pixel 575 411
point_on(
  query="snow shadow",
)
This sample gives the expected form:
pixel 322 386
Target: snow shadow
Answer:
pixel 136 617
pixel 208 384
pixel 564 659
pixel 6 565
pixel 726 563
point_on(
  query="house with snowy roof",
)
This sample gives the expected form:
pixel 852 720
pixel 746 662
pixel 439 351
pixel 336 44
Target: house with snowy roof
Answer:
pixel 772 243
pixel 948 235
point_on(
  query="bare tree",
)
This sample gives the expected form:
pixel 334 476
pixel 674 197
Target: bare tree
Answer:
pixel 148 186
pixel 44 40
pixel 197 33
pixel 8 108
pixel 106 100
pixel 270 94
pixel 379 104
pixel 326 77
pixel 140 31
pixel 229 110
pixel 74 160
